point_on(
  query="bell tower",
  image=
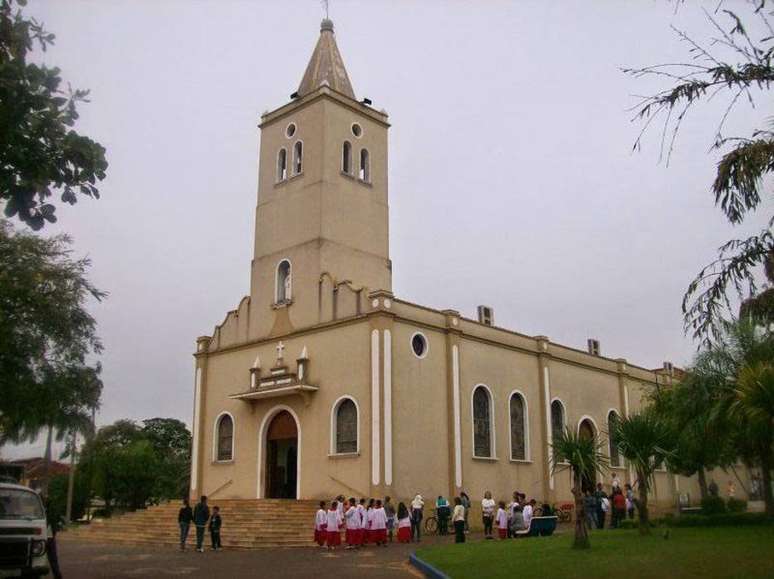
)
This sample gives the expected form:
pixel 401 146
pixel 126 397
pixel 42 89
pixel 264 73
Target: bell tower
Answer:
pixel 322 213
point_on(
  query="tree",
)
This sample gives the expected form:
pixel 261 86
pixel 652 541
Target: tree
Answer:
pixel 753 407
pixel 171 441
pixel 583 456
pixel 644 440
pixel 736 64
pixel 46 338
pixel 39 151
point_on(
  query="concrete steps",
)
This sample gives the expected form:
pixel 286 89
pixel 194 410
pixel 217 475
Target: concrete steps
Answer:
pixel 247 524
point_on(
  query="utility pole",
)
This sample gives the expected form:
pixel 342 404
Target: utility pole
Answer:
pixel 71 480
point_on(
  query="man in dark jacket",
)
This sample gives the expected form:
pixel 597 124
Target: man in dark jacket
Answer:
pixel 201 515
pixel 184 518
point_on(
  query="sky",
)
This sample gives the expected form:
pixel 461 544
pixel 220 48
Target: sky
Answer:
pixel 512 177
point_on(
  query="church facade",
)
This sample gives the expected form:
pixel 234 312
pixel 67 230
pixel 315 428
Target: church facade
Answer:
pixel 323 382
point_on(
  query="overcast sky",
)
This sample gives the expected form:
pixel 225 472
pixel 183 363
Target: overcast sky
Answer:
pixel 512 181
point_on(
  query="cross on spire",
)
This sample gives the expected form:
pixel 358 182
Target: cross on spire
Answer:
pixel 325 7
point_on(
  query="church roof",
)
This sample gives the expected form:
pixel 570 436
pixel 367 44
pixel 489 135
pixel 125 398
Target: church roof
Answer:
pixel 326 65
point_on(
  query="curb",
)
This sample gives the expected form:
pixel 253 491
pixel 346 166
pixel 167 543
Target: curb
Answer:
pixel 426 568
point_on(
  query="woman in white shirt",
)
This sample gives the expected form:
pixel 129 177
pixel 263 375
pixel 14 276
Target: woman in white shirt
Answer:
pixel 488 507
pixel 458 520
pixel 416 517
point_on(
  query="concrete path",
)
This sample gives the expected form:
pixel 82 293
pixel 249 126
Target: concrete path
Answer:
pixel 88 560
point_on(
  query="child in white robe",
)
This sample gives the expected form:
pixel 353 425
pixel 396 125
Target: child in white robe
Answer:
pixel 502 521
pixel 352 518
pixel 379 525
pixel 369 519
pixel 361 533
pixel 319 525
pixel 333 523
pixel 404 524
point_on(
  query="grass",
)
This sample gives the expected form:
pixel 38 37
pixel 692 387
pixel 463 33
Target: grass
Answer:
pixel 743 552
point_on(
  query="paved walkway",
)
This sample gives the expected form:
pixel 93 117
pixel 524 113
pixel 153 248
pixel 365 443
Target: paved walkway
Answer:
pixel 88 560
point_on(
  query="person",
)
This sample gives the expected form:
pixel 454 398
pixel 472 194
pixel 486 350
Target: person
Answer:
pixel 442 507
pixel 379 525
pixel 458 520
pixel 215 523
pixel 629 500
pixel 340 499
pixel 599 495
pixel 389 508
pixel 466 504
pixel 332 524
pixel 319 525
pixel 713 488
pixel 416 517
pixel 54 520
pixel 731 489
pixel 404 524
pixel 184 518
pixel 547 511
pixel 619 507
pixel 502 520
pixel 590 509
pixel 201 515
pixel 517 521
pixel 369 520
pixel 512 507
pixel 487 508
pixel 615 483
pixel 361 533
pixel 352 523
pixel 529 509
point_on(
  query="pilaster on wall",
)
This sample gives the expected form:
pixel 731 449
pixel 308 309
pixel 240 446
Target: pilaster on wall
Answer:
pixel 200 399
pixel 453 405
pixel 381 393
pixel 543 359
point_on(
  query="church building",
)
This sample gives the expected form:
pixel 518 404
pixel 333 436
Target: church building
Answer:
pixel 323 382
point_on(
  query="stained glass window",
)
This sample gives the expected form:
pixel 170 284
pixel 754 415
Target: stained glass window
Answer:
pixel 346 427
pixel 482 423
pixel 518 427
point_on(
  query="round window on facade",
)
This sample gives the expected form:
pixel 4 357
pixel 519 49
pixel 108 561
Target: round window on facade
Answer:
pixel 290 130
pixel 357 130
pixel 419 345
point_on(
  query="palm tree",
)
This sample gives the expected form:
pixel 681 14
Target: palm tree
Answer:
pixel 753 408
pixel 644 440
pixel 583 456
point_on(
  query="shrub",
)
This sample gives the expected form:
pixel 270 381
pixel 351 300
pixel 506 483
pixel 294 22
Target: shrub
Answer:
pixel 720 520
pixel 628 524
pixel 736 505
pixel 712 505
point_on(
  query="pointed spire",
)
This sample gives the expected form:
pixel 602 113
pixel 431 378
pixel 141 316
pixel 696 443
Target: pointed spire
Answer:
pixel 326 65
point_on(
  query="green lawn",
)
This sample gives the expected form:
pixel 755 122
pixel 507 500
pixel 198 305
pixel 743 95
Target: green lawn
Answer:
pixel 743 552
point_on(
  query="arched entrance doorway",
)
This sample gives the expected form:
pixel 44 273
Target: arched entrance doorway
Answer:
pixel 281 457
pixel 587 430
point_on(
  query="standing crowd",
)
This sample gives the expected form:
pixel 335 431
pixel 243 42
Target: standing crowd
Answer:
pixel 202 519
pixel 619 504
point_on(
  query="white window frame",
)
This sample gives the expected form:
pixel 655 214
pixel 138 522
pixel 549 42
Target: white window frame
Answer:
pixel 427 345
pixel 527 453
pixel 492 429
pixel 334 432
pixel 288 299
pixel 366 178
pixel 295 149
pixel 279 178
pixel 216 438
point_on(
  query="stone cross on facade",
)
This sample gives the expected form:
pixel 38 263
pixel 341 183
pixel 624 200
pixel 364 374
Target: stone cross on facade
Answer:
pixel 280 350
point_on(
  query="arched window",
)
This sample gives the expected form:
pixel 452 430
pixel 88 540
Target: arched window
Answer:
pixel 518 411
pixel 346 158
pixel 298 158
pixel 365 166
pixel 224 431
pixel 482 423
pixel 557 419
pixel 284 282
pixel 282 165
pixel 345 422
pixel 612 421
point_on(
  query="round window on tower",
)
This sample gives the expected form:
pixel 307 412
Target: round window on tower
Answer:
pixel 357 130
pixel 290 130
pixel 419 345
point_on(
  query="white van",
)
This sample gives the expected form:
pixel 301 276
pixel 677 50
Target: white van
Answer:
pixel 23 532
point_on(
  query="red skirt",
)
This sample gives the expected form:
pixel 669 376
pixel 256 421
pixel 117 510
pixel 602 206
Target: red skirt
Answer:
pixel 320 536
pixel 333 538
pixel 503 533
pixel 404 534
pixel 378 536
pixel 353 536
